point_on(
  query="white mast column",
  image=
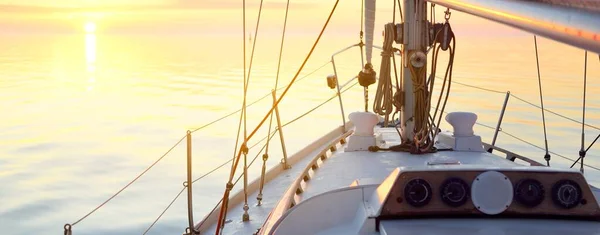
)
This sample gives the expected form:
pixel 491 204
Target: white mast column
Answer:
pixel 415 39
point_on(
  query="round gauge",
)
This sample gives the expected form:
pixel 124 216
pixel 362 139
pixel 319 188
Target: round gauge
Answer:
pixel 566 194
pixel 455 192
pixel 529 192
pixel 417 192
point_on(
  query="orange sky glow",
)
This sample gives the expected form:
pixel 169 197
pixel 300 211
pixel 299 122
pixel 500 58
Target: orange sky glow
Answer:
pixel 69 15
pixel 183 16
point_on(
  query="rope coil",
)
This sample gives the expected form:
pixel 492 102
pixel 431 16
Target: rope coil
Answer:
pixel 383 101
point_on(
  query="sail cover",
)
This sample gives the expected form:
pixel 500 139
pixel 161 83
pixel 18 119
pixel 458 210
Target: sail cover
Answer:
pixel 369 27
pixel 571 22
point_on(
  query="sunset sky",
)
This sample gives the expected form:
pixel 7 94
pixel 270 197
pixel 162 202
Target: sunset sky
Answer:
pixel 67 16
pixel 206 17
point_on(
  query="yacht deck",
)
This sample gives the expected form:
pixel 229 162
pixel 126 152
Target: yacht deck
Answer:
pixel 338 170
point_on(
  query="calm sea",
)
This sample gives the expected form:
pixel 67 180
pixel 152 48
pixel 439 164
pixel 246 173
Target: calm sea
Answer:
pixel 83 114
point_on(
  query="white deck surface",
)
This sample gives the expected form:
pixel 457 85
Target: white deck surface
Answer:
pixel 343 168
pixel 339 171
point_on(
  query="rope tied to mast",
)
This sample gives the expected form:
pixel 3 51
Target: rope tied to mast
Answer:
pixel 384 97
pixel 418 69
pixel 426 126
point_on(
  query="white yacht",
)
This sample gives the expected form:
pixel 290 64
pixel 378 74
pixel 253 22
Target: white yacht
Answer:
pixel 389 169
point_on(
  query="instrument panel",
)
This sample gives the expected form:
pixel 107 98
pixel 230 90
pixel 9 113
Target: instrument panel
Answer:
pixel 480 192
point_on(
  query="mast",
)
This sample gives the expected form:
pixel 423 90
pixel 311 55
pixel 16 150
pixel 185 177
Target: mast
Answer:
pixel 415 29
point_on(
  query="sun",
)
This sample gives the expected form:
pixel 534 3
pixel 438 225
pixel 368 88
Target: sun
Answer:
pixel 90 27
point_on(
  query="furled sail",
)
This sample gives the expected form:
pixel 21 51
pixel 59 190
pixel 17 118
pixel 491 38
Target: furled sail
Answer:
pixel 369 27
pixel 575 22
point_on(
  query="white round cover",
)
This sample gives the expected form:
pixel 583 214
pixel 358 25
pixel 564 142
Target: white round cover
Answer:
pixel 491 192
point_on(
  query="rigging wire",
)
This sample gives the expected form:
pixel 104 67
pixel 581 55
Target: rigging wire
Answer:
pixel 284 125
pixel 228 188
pixel 243 104
pixel 538 107
pixel 273 134
pixel 532 144
pixel 393 13
pixel 432 16
pixel 318 106
pixel 400 10
pixel 266 154
pixel 541 148
pixel 524 101
pixel 552 112
pixel 362 17
pixel 182 138
pixel 547 155
pixel 239 177
pixel 258 100
pixel 176 144
pixel 127 185
pixel 244 148
pixel 164 211
pixel 588 148
pixel 362 59
pixel 582 152
pixel 243 109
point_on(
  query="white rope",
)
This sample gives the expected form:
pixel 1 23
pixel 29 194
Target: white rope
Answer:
pixel 384 97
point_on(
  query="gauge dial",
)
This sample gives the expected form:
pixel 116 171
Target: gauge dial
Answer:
pixel 417 192
pixel 529 192
pixel 455 192
pixel 566 194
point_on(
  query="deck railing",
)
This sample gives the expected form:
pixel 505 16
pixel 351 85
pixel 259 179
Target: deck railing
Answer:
pixel 68 228
pixel 297 189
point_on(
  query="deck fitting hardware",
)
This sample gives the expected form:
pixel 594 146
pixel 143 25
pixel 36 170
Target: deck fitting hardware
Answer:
pixel 306 177
pixel 246 216
pixel 259 199
pixel 286 166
